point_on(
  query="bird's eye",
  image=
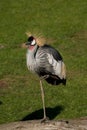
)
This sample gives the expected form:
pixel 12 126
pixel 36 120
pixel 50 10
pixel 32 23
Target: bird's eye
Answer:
pixel 33 42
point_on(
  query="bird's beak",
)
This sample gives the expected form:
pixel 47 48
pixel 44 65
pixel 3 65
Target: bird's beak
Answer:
pixel 27 43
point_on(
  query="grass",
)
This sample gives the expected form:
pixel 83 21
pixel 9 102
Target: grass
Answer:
pixel 64 21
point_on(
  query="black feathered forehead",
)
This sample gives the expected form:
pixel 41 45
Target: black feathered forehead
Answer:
pixel 31 38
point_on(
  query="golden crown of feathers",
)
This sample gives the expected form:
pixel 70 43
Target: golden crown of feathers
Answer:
pixel 40 39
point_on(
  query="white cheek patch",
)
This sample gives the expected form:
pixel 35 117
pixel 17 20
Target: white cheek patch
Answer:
pixel 33 42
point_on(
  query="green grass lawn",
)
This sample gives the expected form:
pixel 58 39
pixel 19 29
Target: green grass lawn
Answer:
pixel 63 21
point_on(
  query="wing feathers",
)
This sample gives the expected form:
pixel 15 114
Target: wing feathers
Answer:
pixel 58 67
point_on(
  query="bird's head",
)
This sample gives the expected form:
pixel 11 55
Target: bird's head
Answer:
pixel 31 42
pixel 36 38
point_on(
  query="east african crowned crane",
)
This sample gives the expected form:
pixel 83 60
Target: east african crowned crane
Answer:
pixel 47 62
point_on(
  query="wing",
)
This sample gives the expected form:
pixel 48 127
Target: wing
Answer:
pixel 53 52
pixel 50 61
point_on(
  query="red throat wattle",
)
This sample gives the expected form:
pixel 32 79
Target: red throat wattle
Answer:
pixel 31 47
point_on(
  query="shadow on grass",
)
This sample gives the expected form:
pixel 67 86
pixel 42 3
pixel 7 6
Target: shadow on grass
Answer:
pixel 50 112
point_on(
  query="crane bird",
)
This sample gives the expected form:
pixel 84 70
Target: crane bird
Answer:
pixel 47 63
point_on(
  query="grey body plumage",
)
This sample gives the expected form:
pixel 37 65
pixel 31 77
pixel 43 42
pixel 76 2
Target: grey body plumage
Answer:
pixel 46 60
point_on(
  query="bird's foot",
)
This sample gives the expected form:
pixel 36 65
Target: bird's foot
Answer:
pixel 45 119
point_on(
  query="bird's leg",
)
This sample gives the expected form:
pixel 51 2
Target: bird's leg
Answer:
pixel 43 101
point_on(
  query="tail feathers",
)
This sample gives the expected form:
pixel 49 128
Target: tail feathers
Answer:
pixel 64 81
pixel 56 81
pixel 63 71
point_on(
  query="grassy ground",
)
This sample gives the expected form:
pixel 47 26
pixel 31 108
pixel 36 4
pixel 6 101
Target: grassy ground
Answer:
pixel 64 21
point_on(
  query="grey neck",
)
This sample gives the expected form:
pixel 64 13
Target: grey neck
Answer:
pixel 33 51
